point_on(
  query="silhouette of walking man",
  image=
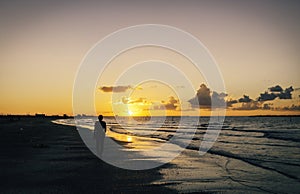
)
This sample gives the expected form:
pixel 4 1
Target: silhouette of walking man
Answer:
pixel 99 134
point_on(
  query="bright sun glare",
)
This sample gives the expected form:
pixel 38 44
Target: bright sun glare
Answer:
pixel 129 138
pixel 130 112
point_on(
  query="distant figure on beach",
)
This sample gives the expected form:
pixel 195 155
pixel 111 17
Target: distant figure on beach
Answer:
pixel 99 134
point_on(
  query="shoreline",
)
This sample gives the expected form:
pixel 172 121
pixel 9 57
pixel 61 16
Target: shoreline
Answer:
pixel 39 156
pixel 14 117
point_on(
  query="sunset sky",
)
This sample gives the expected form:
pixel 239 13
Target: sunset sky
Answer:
pixel 255 44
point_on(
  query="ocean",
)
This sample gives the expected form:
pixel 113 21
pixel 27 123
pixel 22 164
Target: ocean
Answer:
pixel 250 154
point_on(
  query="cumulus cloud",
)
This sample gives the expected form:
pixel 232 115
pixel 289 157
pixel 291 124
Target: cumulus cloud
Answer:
pixel 204 98
pixel 171 104
pixel 218 99
pixel 117 89
pixel 287 94
pixel 245 99
pixel 276 89
pixel 275 92
pixel 272 93
pixel 267 96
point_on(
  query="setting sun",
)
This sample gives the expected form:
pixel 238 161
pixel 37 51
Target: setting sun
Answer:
pixel 130 113
pixel 129 138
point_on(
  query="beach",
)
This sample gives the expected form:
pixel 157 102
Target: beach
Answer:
pixel 38 156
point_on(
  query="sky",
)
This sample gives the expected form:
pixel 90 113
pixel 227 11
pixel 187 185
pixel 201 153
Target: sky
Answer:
pixel 254 43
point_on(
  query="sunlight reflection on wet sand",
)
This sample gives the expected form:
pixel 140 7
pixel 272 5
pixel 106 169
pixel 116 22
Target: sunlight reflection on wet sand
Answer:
pixel 134 142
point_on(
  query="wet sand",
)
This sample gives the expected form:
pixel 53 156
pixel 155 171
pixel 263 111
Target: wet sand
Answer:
pixel 213 173
pixel 38 156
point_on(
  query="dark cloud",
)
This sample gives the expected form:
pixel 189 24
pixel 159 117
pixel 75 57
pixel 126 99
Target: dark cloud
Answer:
pixel 245 99
pixel 204 98
pixel 276 89
pixel 117 89
pixel 267 96
pixel 287 94
pixel 275 92
pixel 272 93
